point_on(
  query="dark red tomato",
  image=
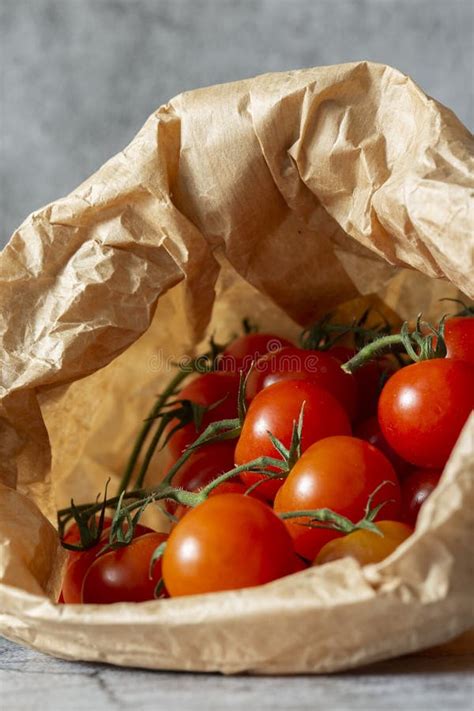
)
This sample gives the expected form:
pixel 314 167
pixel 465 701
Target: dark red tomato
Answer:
pixel 203 465
pixel 294 363
pixel 79 562
pixel 368 379
pixel 123 574
pixel 423 407
pixel 274 410
pixel 241 353
pixel 226 543
pixel 370 431
pixel 206 389
pixel 339 473
pixel 416 488
pixel 459 338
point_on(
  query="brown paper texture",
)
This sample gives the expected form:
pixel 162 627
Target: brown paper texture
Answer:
pixel 279 197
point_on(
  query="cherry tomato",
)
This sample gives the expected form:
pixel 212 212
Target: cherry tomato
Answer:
pixel 274 410
pixel 459 338
pixel 203 465
pixel 294 363
pixel 370 431
pixel 226 543
pixel 206 389
pixel 369 379
pixel 416 488
pixel 365 546
pixel 79 562
pixel 241 353
pixel 299 564
pixel 423 407
pixel 339 473
pixel 123 574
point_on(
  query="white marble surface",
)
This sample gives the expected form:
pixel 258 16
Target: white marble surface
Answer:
pixel 30 681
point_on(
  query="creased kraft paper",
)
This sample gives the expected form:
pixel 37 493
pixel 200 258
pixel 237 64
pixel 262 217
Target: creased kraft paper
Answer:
pixel 279 197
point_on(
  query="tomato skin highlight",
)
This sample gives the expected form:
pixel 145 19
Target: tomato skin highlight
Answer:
pixel 459 338
pixel 227 543
pixel 241 353
pixel 319 367
pixel 122 575
pixel 416 488
pixel 206 390
pixel 365 546
pixel 339 473
pixel 274 410
pixel 423 408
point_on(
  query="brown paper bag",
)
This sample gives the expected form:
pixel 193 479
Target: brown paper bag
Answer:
pixel 281 197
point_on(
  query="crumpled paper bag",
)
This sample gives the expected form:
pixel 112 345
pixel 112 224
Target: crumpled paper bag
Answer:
pixel 278 197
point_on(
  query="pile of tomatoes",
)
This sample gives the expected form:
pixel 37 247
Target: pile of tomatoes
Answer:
pixel 371 447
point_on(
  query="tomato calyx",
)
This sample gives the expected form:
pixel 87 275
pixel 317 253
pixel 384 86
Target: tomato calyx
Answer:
pixel 424 342
pixel 323 335
pixel 330 520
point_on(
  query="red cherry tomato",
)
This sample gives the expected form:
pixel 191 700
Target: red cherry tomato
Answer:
pixel 369 379
pixel 294 363
pixel 299 564
pixel 416 488
pixel 423 407
pixel 241 353
pixel 206 389
pixel 339 473
pixel 226 543
pixel 123 574
pixel 459 338
pixel 370 431
pixel 274 410
pixel 203 465
pixel 79 562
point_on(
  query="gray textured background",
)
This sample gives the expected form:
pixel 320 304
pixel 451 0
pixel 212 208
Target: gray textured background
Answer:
pixel 79 77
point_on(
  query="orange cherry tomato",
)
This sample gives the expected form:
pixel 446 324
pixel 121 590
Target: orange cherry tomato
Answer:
pixel 274 410
pixel 366 546
pixel 228 542
pixel 339 473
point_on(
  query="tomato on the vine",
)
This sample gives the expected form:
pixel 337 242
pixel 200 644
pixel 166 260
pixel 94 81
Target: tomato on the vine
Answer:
pixel 338 473
pixel 228 542
pixel 275 409
pixel 243 351
pixel 123 574
pixel 366 546
pixel 416 488
pixel 79 562
pixel 202 466
pixel 230 486
pixel 369 380
pixel 292 363
pixel 423 408
pixel 459 338
pixel 207 389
